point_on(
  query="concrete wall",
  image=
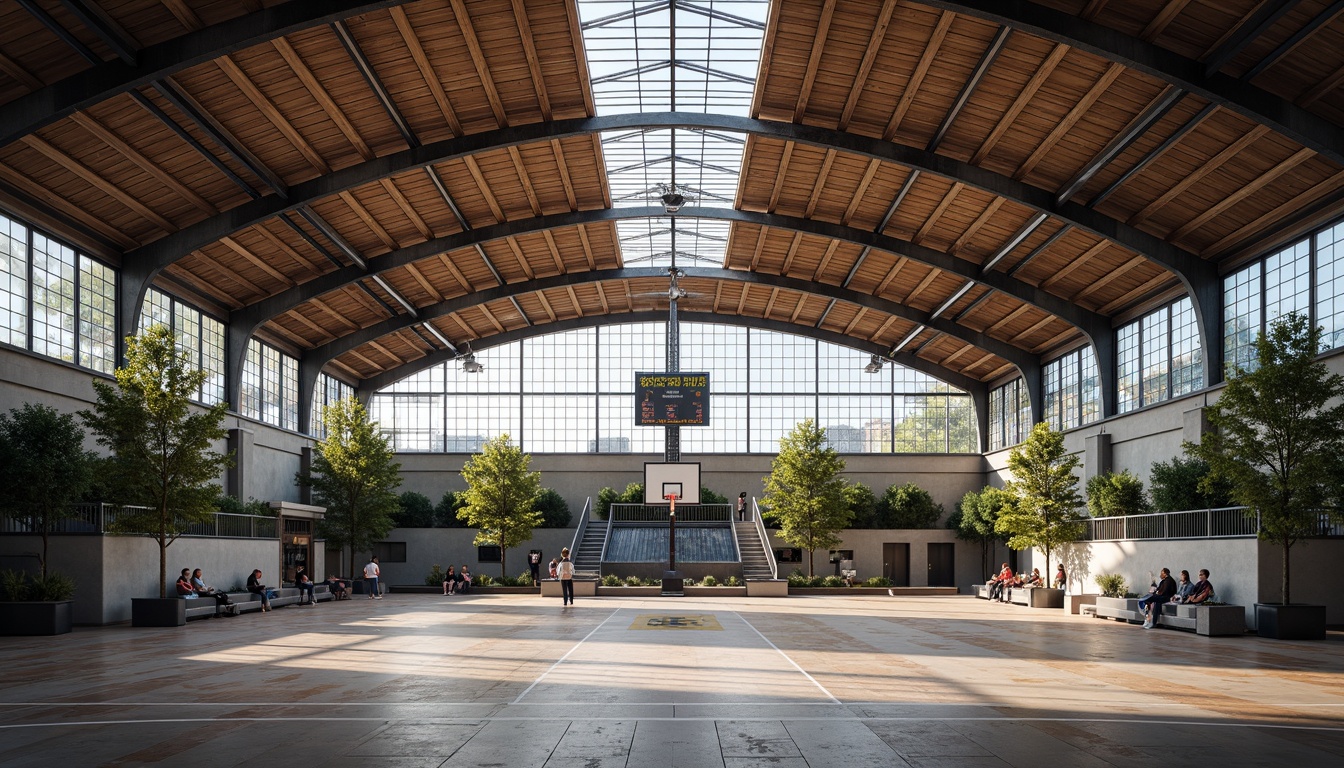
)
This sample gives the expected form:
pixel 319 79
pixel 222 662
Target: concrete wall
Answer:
pixel 1314 578
pixel 868 554
pixel 427 547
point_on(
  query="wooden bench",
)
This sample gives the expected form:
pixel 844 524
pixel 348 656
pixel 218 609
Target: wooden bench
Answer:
pixel 1207 620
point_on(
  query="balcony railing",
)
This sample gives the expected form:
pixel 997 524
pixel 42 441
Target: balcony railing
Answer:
pixel 657 513
pixel 1223 523
pixel 102 518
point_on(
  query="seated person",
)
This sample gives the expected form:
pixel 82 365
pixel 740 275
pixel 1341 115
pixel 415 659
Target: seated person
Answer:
pixel 183 586
pixel 1183 588
pixel 1060 578
pixel 459 582
pixel 999 583
pixel 449 581
pixel 1035 579
pixel 223 605
pixel 465 576
pixel 337 588
pixel 1151 604
pixel 305 585
pixel 255 586
pixel 1202 591
pixel 554 564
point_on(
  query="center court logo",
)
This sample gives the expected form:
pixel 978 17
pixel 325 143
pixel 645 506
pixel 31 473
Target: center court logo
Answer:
pixel 679 621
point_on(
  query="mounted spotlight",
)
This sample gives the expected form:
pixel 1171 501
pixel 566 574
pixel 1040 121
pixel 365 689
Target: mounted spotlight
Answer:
pixel 874 365
pixel 469 364
pixel 672 202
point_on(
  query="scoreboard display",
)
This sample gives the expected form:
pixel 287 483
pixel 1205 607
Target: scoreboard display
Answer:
pixel 671 399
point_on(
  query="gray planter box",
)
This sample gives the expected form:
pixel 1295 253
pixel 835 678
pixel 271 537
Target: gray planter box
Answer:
pixel 158 612
pixel 1220 620
pixel 1295 621
pixel 36 618
pixel 1046 597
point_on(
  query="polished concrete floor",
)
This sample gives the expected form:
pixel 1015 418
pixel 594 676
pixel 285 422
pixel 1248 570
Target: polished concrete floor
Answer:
pixel 517 681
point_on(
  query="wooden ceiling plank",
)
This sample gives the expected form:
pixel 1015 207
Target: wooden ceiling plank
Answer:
pixel 779 179
pixel 1298 203
pixel 742 299
pixel 917 78
pixel 1195 176
pixel 554 249
pixel 455 272
pixel 1038 325
pixel 1070 120
pixel 825 171
pixel 484 187
pixel 1150 285
pixel 1163 18
pixel 360 357
pixel 596 141
pixel 831 249
pixel 521 168
pixel 257 262
pixel 1028 93
pixel 565 179
pixel 882 331
pixel 875 39
pixel 580 56
pixel 11 68
pixel 546 305
pixel 1079 261
pixel 976 225
pixel 424 282
pixel 369 221
pixel 963 350
pixel 760 245
pixel 386 352
pixel 63 206
pixel 602 299
pixel 1092 8
pixel 490 318
pixel 798 308
pixel 521 257
pixel 588 247
pixel 1243 192
pixel 533 62
pixel 1000 371
pixel 718 295
pixel 1008 318
pixel 340 318
pixel 274 329
pixel 862 191
pixel 822 28
pixel 183 13
pixel 1327 85
pixel 323 98
pixel 107 136
pixel 937 212
pixel 284 248
pixel 767 56
pixel 205 288
pixel 322 333
pixel 406 208
pixel 467 331
pixel 478 59
pixel 351 372
pixel 770 303
pixel 858 317
pixel 929 278
pixel 417 51
pixel 1108 278
pixel 98 182
pixel 574 300
pixel 235 277
pixel 793 251
pixel 1055 341
pixel 272 113
pixel 891 275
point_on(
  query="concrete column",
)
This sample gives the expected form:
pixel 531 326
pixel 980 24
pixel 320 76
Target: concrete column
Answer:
pixel 1195 425
pixel 1097 457
pixel 240 445
pixel 305 466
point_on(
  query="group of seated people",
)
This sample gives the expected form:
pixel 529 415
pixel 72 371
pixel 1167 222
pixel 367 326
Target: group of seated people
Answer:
pixel 456 582
pixel 1167 590
pixel 1001 586
pixel 191 585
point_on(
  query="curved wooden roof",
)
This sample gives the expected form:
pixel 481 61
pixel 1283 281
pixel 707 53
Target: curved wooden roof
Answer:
pixel 981 184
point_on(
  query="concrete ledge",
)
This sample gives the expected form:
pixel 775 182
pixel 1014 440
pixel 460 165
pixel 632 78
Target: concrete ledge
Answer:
pixel 873 591
pixel 767 588
pixel 1075 603
pixel 582 588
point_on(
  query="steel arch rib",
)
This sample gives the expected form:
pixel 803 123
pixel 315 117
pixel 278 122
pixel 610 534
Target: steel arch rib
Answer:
pixel 92 86
pixel 970 385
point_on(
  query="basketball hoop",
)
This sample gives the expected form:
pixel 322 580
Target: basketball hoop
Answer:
pixel 672 503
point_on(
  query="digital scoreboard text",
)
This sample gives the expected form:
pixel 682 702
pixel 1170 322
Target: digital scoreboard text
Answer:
pixel 671 399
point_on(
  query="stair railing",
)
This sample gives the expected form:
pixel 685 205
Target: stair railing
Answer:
pixel 765 539
pixel 582 528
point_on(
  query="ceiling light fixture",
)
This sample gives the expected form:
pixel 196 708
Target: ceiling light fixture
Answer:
pixel 874 365
pixel 673 201
pixel 469 364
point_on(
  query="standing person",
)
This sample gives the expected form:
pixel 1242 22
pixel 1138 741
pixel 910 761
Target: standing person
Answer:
pixel 305 585
pixel 371 573
pixel 534 565
pixel 255 586
pixel 565 571
pixel 1060 579
pixel 742 507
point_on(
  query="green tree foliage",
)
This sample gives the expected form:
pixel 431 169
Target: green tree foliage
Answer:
pixel 1279 441
pixel 862 503
pixel 501 496
pixel 445 512
pixel 1112 495
pixel 933 426
pixel 232 505
pixel 160 444
pixel 804 491
pixel 708 496
pixel 554 509
pixel 44 469
pixel 907 506
pixel 355 476
pixel 414 510
pixel 1175 486
pixel 1045 489
pixel 633 494
pixel 976 520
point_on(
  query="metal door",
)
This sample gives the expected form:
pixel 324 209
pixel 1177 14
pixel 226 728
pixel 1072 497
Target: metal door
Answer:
pixel 896 563
pixel 942 567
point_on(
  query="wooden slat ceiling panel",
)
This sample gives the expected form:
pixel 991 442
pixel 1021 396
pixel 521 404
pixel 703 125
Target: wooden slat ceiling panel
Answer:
pixel 216 293
pixel 440 36
pixel 497 32
pixel 1139 190
pixel 74 195
pixel 425 200
pixel 958 56
pixel 30 45
pixel 563 73
pixel 200 137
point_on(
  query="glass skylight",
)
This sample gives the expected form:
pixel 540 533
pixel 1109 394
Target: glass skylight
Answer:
pixel 682 56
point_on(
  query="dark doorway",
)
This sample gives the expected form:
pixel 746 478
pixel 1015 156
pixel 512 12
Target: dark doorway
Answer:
pixel 942 567
pixel 896 564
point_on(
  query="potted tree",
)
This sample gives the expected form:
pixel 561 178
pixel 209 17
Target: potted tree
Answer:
pixel 44 469
pixel 1045 515
pixel 804 492
pixel 161 457
pixel 1279 444
pixel 501 497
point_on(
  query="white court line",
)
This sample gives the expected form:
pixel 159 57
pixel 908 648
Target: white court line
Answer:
pixel 736 719
pixel 566 656
pixel 802 671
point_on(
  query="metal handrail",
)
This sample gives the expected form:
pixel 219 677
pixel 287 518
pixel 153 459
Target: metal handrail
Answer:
pixel 1215 523
pixel 582 526
pixel 657 513
pixel 736 547
pixel 99 518
pixel 765 538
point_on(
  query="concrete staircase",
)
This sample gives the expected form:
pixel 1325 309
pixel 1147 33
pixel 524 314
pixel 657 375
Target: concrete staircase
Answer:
pixel 755 564
pixel 588 560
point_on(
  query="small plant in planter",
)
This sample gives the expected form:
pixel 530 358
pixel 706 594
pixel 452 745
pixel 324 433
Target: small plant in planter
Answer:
pixel 435 577
pixel 709 581
pixel 833 581
pixel 732 581
pixel 634 581
pixel 35 606
pixel 485 580
pixel 1112 584
pixel 799 579
pixel 611 580
pixel 877 581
